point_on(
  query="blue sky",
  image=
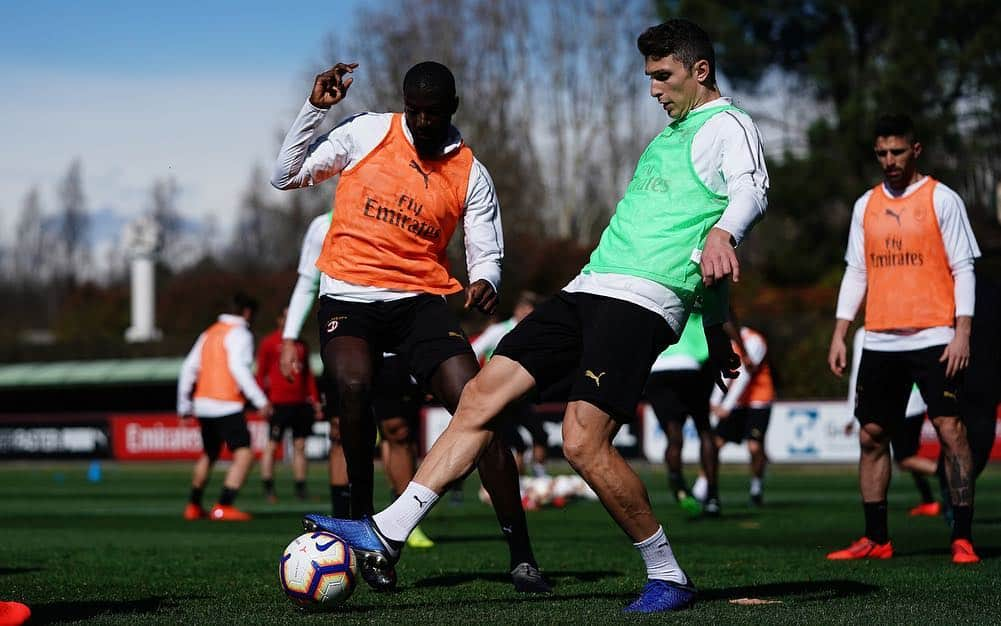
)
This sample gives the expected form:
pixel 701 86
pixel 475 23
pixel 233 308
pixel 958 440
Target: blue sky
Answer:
pixel 200 91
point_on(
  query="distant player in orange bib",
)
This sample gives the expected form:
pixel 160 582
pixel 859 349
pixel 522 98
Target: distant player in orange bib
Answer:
pixel 406 180
pixel 214 385
pixel 910 255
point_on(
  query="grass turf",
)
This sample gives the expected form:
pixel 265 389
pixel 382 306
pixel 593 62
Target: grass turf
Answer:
pixel 117 551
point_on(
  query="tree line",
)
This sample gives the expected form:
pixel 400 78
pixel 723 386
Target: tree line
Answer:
pixel 554 102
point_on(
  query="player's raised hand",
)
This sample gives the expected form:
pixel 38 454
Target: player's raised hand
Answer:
pixel 725 361
pixel 481 295
pixel 330 87
pixel 837 356
pixel 719 259
pixel 288 360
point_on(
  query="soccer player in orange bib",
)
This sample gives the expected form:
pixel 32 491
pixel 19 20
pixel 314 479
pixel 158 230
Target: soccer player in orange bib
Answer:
pixel 405 182
pixel 214 385
pixel 910 255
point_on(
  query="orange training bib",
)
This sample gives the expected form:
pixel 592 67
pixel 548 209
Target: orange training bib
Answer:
pixel 215 381
pixel 394 215
pixel 761 388
pixel 910 284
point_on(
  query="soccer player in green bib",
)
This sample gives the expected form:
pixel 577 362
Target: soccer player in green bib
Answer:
pixel 698 188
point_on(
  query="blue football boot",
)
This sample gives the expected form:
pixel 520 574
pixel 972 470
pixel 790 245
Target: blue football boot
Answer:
pixel 376 554
pixel 662 595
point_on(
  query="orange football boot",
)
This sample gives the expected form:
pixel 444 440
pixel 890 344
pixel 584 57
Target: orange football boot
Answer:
pixel 864 548
pixel 14 613
pixel 962 552
pixel 926 509
pixel 194 511
pixel 228 513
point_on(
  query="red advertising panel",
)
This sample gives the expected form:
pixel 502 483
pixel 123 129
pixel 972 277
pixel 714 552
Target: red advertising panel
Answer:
pixel 166 437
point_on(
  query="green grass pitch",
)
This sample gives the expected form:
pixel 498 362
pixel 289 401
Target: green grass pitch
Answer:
pixel 117 551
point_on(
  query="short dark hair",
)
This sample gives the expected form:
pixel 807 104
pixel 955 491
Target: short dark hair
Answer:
pixel 242 302
pixel 430 78
pixel 894 125
pixel 682 39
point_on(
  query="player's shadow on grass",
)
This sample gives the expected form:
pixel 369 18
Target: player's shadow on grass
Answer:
pixel 10 571
pixel 86 609
pixel 459 578
pixel 805 590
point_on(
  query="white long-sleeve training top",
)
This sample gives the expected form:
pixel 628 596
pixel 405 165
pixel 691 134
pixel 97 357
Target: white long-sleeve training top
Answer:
pixel 239 342
pixel 728 156
pixel 305 161
pixel 960 247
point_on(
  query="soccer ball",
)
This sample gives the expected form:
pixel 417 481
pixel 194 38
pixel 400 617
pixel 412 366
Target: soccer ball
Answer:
pixel 318 570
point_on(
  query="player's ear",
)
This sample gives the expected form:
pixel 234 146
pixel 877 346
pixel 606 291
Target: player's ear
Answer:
pixel 455 106
pixel 700 70
pixel 917 148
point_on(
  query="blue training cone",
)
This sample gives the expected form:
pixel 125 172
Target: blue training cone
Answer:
pixel 94 472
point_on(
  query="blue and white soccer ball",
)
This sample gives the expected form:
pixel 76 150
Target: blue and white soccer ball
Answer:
pixel 318 570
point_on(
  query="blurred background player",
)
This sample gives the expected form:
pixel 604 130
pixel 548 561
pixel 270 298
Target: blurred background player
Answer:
pixel 520 412
pixel 295 406
pixel 907 441
pixel 678 388
pixel 981 383
pixel 405 181
pixel 910 256
pixel 396 403
pixel 217 370
pixel 744 412
pixel 396 406
pixel 291 364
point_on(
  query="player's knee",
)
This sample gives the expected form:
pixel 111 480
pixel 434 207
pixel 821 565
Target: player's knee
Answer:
pixel 950 430
pixel 477 406
pixel 396 434
pixel 352 388
pixel 299 444
pixel 579 444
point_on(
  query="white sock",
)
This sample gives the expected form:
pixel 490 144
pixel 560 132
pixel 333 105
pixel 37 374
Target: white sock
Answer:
pixel 659 559
pixel 756 485
pixel 700 488
pixel 398 519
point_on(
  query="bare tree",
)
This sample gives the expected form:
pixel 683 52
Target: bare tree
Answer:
pixel 590 107
pixel 30 265
pixel 163 196
pixel 551 95
pixel 72 242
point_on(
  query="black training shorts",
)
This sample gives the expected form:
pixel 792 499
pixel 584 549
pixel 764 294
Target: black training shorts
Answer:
pixel 231 429
pixel 581 346
pixel 676 395
pixel 421 329
pixel 297 417
pixel 885 380
pixel 394 393
pixel 750 423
